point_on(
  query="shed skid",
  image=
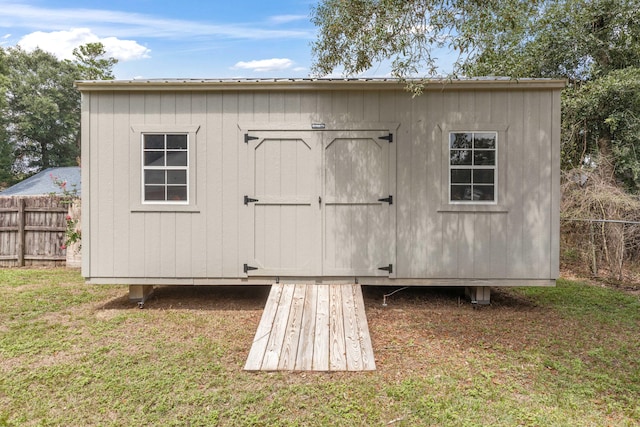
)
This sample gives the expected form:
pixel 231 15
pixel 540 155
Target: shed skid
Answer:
pixel 216 182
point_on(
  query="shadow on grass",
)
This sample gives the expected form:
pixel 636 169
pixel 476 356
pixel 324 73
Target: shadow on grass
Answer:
pixel 218 298
pixel 248 297
pixel 430 296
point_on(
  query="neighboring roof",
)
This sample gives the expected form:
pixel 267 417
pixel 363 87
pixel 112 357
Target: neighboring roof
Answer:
pixel 43 183
pixel 315 84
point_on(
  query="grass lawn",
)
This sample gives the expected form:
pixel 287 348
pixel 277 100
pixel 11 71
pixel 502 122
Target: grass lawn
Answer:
pixel 72 354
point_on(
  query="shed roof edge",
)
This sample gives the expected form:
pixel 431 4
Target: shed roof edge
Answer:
pixel 313 84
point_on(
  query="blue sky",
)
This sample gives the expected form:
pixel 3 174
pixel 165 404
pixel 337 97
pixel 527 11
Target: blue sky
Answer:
pixel 177 38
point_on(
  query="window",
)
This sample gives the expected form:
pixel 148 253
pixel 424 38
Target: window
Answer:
pixel 165 164
pixel 472 167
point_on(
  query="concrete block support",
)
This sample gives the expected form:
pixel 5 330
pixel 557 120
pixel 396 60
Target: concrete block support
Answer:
pixel 479 294
pixel 140 293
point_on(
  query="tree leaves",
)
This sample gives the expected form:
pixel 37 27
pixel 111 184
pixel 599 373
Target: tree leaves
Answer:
pixel 40 107
pixel 594 44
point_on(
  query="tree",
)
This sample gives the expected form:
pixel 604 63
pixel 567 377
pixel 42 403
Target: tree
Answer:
pixel 574 39
pixel 355 35
pixel 92 62
pixel 579 40
pixel 594 44
pixel 6 150
pixel 40 107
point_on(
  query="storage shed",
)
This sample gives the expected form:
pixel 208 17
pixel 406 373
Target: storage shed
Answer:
pixel 206 182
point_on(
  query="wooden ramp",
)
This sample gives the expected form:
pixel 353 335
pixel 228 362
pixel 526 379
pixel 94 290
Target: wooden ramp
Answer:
pixel 312 328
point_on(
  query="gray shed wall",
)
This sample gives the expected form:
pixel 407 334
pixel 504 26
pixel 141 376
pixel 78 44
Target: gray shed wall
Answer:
pixel 513 242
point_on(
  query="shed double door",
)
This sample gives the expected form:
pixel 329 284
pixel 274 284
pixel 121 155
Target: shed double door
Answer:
pixel 320 203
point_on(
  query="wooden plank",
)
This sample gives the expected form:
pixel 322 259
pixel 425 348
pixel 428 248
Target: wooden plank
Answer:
pixel 368 359
pixel 46 209
pixel 20 242
pixel 304 357
pixel 289 350
pixel 45 228
pixel 276 338
pixel 259 346
pixel 45 257
pixel 337 351
pixel 312 327
pixel 321 352
pixel 353 350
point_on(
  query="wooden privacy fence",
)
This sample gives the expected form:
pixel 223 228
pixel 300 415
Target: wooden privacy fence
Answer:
pixel 32 231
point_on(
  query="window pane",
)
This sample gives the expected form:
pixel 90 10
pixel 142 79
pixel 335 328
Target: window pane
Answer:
pixel 177 177
pixel 461 157
pixel 481 157
pixel 176 142
pixel 154 192
pixel 460 192
pixel 483 176
pixel 153 177
pixel 460 140
pixel 154 158
pixel 461 176
pixel 484 140
pixel 177 193
pixel 176 158
pixel 483 192
pixel 154 142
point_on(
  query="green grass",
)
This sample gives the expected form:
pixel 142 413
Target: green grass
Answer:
pixel 72 354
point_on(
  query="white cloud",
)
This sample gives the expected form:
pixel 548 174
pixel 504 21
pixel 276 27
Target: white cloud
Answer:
pixel 265 65
pixel 136 25
pixel 285 19
pixel 62 43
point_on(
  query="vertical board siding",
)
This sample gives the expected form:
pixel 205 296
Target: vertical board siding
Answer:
pixel 122 185
pixel 516 163
pixel 211 241
pixel 402 114
pixel 231 260
pixel 554 251
pixel 105 185
pixel 137 229
pixel 215 177
pixel 197 236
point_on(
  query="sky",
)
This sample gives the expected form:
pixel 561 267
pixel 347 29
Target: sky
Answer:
pixel 171 38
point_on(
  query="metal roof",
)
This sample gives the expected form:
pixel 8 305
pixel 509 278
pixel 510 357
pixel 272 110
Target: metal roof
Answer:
pixel 42 183
pixel 314 83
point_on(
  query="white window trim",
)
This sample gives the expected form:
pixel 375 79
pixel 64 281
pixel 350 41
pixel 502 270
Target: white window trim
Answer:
pixel 136 196
pixel 502 145
pixel 493 167
pixel 163 168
